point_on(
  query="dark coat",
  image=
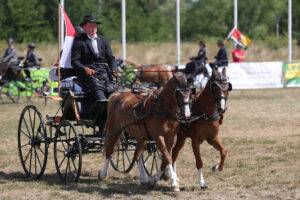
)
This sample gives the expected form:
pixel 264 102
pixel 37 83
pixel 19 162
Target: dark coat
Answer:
pixel 9 54
pixel 221 57
pixel 83 55
pixel 31 59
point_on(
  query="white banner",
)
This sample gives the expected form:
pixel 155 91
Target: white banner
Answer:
pixel 250 75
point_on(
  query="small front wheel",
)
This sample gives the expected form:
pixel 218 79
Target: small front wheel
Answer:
pixel 67 152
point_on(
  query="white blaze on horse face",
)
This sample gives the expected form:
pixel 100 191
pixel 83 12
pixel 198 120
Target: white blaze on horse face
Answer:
pixel 187 109
pixel 103 172
pixel 223 104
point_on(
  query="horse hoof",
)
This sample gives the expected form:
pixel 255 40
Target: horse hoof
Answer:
pixel 164 177
pixel 214 168
pixel 176 189
pixel 101 176
pixel 151 181
pixel 203 187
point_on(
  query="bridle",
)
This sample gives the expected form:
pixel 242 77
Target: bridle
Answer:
pixel 223 85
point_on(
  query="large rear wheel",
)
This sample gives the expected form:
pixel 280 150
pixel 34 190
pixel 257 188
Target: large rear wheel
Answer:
pixel 32 142
pixel 67 152
pixel 122 158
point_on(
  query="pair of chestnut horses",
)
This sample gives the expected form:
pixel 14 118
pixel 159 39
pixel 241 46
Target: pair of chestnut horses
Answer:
pixel 161 123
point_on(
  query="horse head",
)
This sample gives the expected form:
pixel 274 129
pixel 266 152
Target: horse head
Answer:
pixel 180 100
pixel 220 87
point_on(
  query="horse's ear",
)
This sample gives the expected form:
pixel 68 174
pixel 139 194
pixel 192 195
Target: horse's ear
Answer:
pixel 213 66
pixel 214 72
pixel 224 71
pixel 229 87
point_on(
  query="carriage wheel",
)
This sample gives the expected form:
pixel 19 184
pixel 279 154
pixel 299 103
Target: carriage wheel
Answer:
pixel 122 158
pixel 151 158
pixel 32 142
pixel 10 91
pixel 67 152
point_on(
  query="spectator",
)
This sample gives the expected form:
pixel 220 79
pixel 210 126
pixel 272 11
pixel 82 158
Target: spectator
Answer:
pixel 238 54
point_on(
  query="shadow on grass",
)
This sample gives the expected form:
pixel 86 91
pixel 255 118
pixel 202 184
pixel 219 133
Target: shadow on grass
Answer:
pixel 126 186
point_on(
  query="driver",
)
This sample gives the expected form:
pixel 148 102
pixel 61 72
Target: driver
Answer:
pixel 9 57
pixel 93 60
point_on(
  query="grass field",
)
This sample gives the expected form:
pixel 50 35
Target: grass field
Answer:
pixel 261 130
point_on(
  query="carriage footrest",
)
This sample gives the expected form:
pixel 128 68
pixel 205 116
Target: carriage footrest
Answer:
pixel 87 122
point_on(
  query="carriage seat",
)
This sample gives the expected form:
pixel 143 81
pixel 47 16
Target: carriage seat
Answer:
pixel 70 82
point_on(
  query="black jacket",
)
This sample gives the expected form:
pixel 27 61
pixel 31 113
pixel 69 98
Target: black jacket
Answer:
pixel 83 53
pixel 31 59
pixel 222 56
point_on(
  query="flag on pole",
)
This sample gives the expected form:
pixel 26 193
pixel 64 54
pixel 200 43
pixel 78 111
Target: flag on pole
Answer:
pixel 239 38
pixel 65 59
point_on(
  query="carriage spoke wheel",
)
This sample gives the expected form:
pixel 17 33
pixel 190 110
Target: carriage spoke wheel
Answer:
pixel 32 142
pixel 122 158
pixel 67 152
pixel 151 158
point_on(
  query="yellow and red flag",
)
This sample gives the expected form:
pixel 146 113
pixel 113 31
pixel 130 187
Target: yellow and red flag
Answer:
pixel 239 38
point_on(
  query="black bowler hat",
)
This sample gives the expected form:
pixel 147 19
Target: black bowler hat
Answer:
pixel 89 18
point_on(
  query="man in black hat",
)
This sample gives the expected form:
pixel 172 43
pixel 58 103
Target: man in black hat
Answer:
pixel 221 57
pixel 93 60
pixel 31 60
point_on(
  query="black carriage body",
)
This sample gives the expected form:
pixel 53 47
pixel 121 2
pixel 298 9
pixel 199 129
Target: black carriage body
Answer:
pixel 88 109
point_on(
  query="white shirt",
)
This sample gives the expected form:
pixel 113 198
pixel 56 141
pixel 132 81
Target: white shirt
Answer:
pixel 94 44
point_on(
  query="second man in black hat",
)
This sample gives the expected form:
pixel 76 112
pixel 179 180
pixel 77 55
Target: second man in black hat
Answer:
pixel 93 60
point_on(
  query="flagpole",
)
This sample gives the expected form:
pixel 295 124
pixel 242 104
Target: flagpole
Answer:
pixel 62 28
pixel 124 31
pixel 235 14
pixel 59 46
pixel 178 30
pixel 290 31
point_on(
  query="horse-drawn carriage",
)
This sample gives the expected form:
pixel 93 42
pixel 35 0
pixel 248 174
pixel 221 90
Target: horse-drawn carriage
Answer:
pixel 76 129
pixel 131 127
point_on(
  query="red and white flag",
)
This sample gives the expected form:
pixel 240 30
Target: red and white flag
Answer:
pixel 65 59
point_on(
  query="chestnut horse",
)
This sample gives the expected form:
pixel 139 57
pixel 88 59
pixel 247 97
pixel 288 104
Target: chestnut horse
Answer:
pixel 159 74
pixel 159 121
pixel 205 111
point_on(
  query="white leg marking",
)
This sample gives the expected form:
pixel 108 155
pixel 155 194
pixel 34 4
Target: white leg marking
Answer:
pixel 174 170
pixel 143 176
pixel 103 172
pixel 172 176
pixel 201 179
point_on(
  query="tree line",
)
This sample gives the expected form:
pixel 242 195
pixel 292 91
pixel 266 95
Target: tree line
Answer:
pixel 148 20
